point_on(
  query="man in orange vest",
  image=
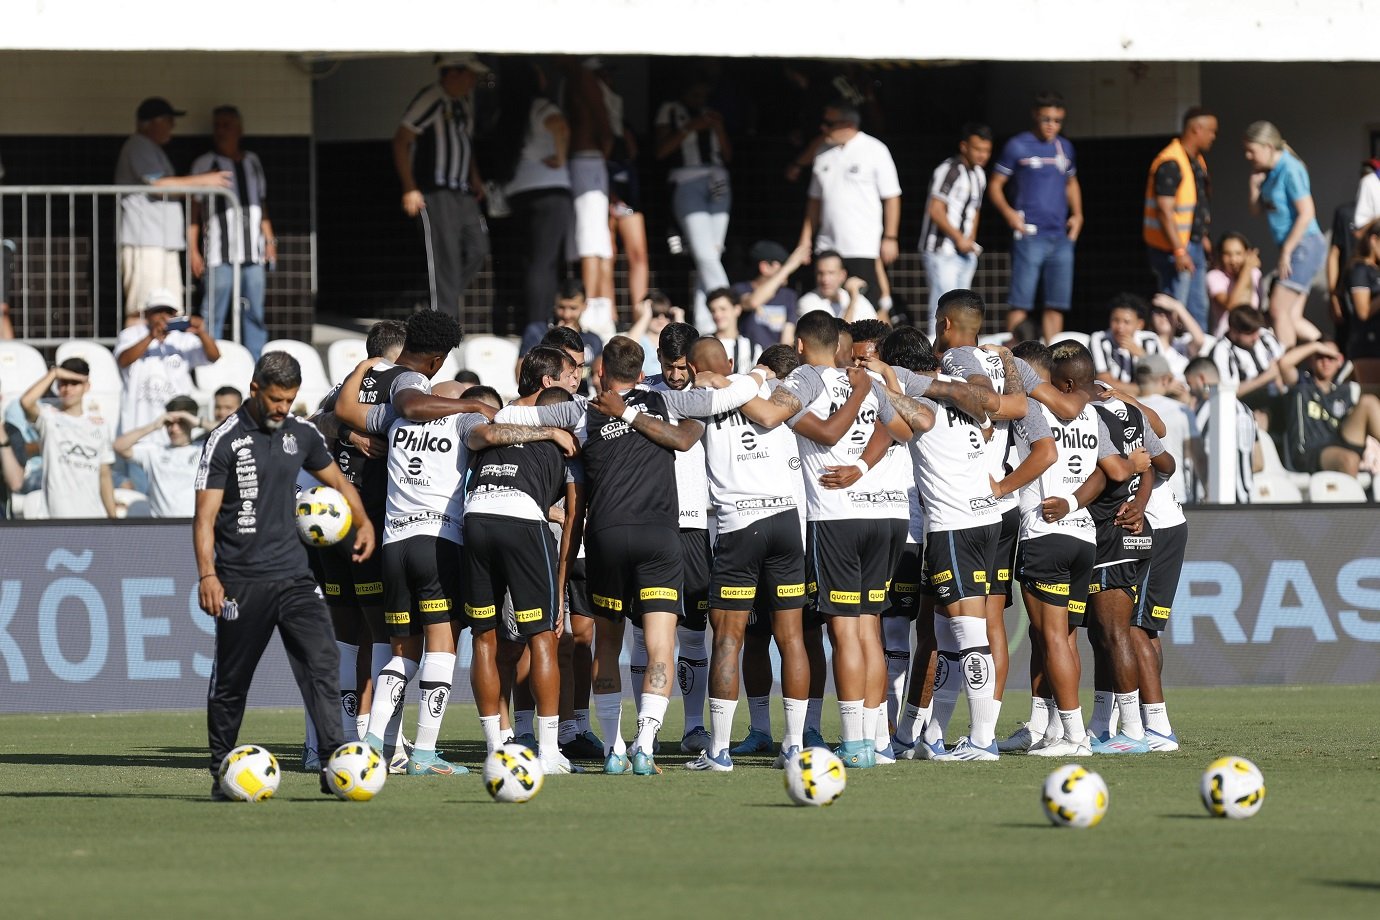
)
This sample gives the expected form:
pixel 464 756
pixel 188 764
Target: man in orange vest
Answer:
pixel 1178 211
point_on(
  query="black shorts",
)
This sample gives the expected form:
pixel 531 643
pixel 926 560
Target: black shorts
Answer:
pixel 1122 558
pixel 335 571
pixel 696 556
pixel 962 563
pixel 518 558
pixel 846 566
pixel 904 591
pixel 1056 568
pixel 635 569
pixel 577 589
pixel 367 577
pixel 1157 589
pixel 422 575
pixel 1006 552
pixel 761 566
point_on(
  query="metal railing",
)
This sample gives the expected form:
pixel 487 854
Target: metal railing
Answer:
pixel 92 212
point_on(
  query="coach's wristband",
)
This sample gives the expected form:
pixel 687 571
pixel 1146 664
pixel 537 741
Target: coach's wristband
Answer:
pixel 862 466
pixel 1073 503
pixel 630 413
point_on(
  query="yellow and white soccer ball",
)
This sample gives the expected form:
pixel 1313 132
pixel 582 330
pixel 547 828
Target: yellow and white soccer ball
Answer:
pixel 249 773
pixel 1233 787
pixel 512 773
pixel 323 516
pixel 1074 796
pixel 815 776
pixel 356 772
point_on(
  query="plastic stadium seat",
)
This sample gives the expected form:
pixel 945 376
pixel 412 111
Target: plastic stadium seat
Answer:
pixel 451 366
pixel 20 367
pixel 1274 467
pixel 1329 486
pixel 1068 335
pixel 494 360
pixel 35 506
pixel 234 369
pixel 998 338
pixel 105 373
pixel 343 356
pixel 314 382
pixel 132 504
pixel 1273 489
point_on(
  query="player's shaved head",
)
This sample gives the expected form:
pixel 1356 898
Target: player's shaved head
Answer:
pixel 963 308
pixel 487 395
pixel 450 389
pixel 1071 367
pixel 817 332
pixel 708 354
pixel 552 396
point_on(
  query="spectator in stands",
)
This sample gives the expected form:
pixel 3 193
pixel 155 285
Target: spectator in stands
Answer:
pixel 1249 353
pixel 1362 308
pixel 1367 196
pixel 225 403
pixel 625 191
pixel 1156 382
pixel 836 291
pixel 651 316
pixel 948 235
pixel 533 141
pixel 1328 421
pixel 1279 187
pixel 152 235
pixel 1047 217
pixel 1181 338
pixel 469 378
pixel 691 138
pixel 741 351
pixel 854 203
pixel 12 459
pixel 1116 349
pixel 78 481
pixel 253 239
pixel 170 464
pixel 433 153
pixel 591 142
pixel 769 305
pixel 1178 212
pixel 1235 281
pixel 570 306
pixel 156 359
pixel 1202 374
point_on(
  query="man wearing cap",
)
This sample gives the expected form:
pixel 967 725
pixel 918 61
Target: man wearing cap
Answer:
pixel 769 305
pixel 151 229
pixel 156 359
pixel 433 154
pixel 170 465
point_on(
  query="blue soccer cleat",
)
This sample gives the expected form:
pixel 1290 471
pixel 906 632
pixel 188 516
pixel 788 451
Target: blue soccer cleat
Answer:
pixel 1162 743
pixel 643 764
pixel 756 742
pixel 857 755
pixel 696 741
pixel 616 764
pixel 1119 744
pixel 430 763
pixel 904 750
pixel 813 738
pixel 785 757
pixel 711 763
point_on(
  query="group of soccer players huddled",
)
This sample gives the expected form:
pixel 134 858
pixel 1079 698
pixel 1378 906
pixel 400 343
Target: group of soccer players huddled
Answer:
pixel 866 482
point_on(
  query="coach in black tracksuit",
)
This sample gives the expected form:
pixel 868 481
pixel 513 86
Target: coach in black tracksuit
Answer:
pixel 248 552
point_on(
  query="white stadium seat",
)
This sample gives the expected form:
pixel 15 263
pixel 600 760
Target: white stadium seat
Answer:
pixel 1328 486
pixel 20 367
pixel 35 506
pixel 314 383
pixel 1273 489
pixel 344 356
pixel 234 369
pixel 131 504
pixel 1068 335
pixel 997 338
pixel 494 360
pixel 105 373
pixel 1274 467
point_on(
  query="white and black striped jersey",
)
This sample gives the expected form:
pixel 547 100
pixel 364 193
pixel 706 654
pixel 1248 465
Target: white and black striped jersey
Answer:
pixel 692 488
pixel 1242 364
pixel 961 188
pixel 1246 433
pixel 1111 358
pixel 951 465
pixel 753 472
pixel 1079 448
pixel 223 237
pixel 427 463
pixel 822 391
pixel 699 153
pixel 968 361
pixel 1124 427
pixel 442 151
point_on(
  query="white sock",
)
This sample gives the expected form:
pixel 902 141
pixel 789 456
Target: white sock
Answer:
pixel 649 719
pixel 1156 717
pixel 637 666
pixel 851 715
pixel 881 729
pixel 608 709
pixel 361 725
pixel 759 712
pixel 1054 729
pixel 1115 720
pixel 493 733
pixel 547 745
pixel 309 732
pixel 979 677
pixel 522 721
pixel 581 721
pixel 1102 713
pixel 566 732
pixel 911 721
pixel 390 688
pixel 1129 705
pixel 1039 717
pixel 692 671
pixel 1073 725
pixel 946 682
pixel 433 679
pixel 814 713
pixel 795 723
pixel 896 637
pixel 720 724
pixel 349 693
pixel 505 735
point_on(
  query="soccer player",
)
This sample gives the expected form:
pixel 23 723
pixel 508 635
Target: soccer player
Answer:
pixel 635 570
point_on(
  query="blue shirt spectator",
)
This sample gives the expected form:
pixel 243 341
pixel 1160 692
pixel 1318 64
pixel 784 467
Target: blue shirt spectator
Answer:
pixel 1041 170
pixel 1284 185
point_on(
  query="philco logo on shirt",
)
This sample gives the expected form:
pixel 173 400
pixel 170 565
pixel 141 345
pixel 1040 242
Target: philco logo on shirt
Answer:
pixel 415 441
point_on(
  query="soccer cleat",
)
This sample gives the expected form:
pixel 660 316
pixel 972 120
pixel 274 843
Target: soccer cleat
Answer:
pixel 711 763
pixel 643 764
pixel 585 746
pixel 1161 743
pixel 857 755
pixel 1119 744
pixel 311 761
pixel 883 757
pixel 217 793
pixel 755 743
pixel 430 763
pixel 785 757
pixel 965 750
pixel 527 740
pixel 902 749
pixel 1019 740
pixel 558 764
pixel 813 738
pixel 375 742
pixel 696 741
pixel 1062 748
pixel 397 763
pixel 616 764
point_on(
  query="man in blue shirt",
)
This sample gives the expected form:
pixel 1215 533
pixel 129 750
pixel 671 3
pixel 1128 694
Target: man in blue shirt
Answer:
pixel 1047 217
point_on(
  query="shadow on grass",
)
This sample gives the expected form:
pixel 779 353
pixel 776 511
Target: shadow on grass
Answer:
pixel 1026 825
pixel 1353 884
pixel 1183 816
pixel 105 795
pixel 171 757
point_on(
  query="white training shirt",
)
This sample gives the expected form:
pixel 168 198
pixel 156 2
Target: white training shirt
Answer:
pixel 1079 447
pixel 427 462
pixel 172 477
pixel 75 447
pixel 895 474
pixel 851 180
pixel 692 486
pixel 838 306
pixel 753 472
pixel 951 464
pixel 1180 428
pixel 532 172
pixel 969 360
pixel 159 374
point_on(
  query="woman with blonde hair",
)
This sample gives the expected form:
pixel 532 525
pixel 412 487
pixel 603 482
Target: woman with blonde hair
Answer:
pixel 1279 187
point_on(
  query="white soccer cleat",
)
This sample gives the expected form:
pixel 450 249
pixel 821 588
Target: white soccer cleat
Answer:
pixel 965 750
pixel 1063 748
pixel 1161 743
pixel 1019 740
pixel 557 764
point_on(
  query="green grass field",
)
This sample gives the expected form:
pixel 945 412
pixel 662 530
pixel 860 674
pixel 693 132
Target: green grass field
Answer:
pixel 109 816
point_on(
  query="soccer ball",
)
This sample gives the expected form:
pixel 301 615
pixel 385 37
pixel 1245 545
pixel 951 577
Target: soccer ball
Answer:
pixel 356 772
pixel 323 516
pixel 249 773
pixel 1074 796
pixel 815 776
pixel 1233 787
pixel 513 773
